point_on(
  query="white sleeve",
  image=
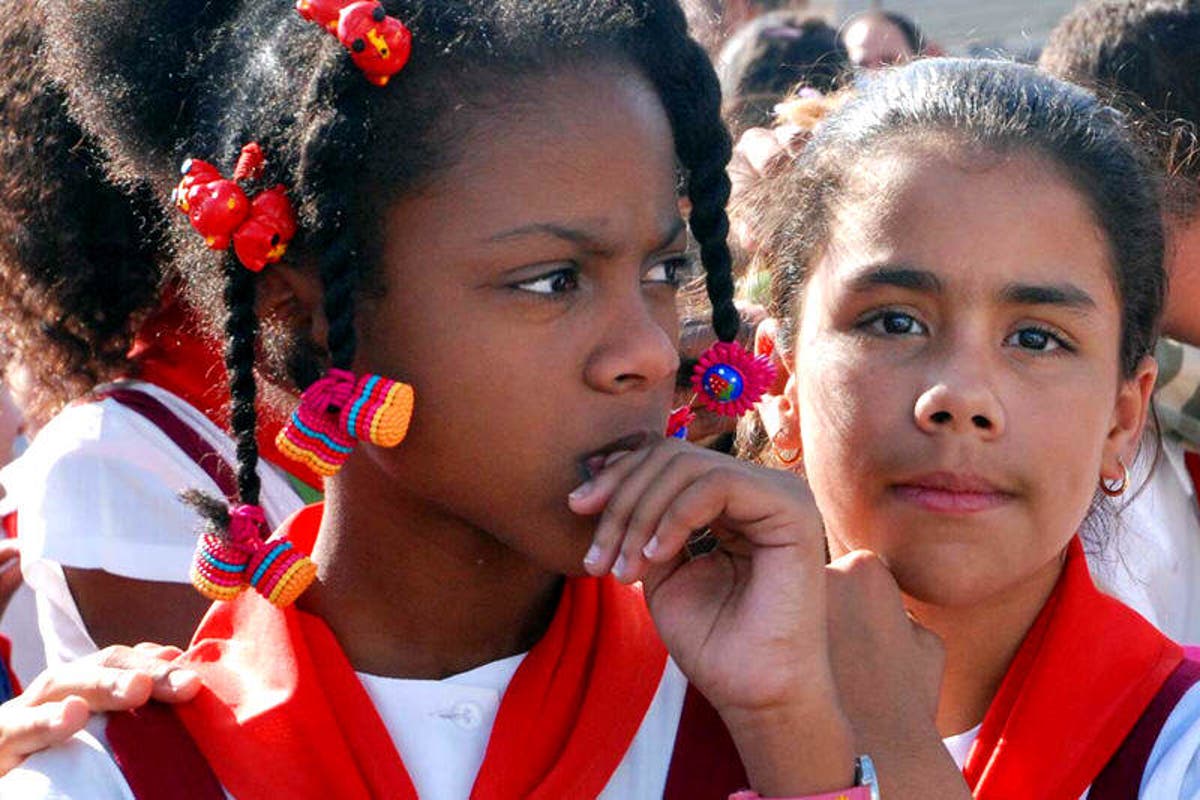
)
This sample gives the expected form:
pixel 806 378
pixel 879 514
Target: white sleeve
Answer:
pixel 1173 769
pixel 79 769
pixel 99 489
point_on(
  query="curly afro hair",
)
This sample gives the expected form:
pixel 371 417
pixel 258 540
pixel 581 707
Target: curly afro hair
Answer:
pixel 78 257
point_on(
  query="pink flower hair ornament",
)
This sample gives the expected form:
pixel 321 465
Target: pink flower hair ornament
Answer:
pixel 729 379
pixel 225 565
pixel 338 411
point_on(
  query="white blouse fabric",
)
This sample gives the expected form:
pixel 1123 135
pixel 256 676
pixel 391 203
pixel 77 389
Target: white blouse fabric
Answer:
pixel 1150 559
pixel 99 489
pixel 441 729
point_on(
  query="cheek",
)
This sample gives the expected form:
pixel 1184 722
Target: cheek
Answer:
pixel 850 411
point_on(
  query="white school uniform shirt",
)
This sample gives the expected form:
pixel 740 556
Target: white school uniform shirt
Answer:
pixel 1151 559
pixel 440 728
pixel 99 488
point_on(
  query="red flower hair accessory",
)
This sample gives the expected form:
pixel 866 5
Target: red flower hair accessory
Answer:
pixel 729 379
pixel 379 44
pixel 220 210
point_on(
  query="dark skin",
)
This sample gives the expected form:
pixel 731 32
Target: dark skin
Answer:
pixel 119 610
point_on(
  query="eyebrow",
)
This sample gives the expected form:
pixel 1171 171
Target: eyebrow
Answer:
pixel 1061 294
pixel 582 237
pixel 899 276
pixel 1067 295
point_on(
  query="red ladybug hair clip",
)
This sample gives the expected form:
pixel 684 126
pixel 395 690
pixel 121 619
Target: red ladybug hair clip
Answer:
pixel 221 211
pixel 379 44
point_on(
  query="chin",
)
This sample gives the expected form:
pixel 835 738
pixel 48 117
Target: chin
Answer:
pixel 948 574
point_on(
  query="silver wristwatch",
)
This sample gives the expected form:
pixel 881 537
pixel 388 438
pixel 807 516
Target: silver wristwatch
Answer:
pixel 864 775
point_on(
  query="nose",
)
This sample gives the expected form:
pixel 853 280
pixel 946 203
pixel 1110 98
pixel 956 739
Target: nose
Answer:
pixel 637 351
pixel 965 405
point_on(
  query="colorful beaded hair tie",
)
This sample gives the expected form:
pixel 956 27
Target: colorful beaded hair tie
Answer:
pixel 340 410
pixel 379 44
pixel 728 380
pixel 225 564
pixel 221 212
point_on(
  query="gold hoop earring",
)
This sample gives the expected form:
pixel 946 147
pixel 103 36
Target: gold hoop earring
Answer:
pixel 1114 489
pixel 786 457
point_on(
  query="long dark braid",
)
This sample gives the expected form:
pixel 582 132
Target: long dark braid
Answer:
pixel 691 94
pixel 241 333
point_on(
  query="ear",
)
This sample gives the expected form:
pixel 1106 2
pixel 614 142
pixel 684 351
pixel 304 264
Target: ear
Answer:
pixel 777 409
pixel 1130 412
pixel 291 296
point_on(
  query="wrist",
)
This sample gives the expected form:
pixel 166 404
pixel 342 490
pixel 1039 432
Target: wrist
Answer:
pixel 866 787
pixel 794 749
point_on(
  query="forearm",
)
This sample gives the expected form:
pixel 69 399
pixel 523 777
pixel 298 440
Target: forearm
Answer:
pixel 795 751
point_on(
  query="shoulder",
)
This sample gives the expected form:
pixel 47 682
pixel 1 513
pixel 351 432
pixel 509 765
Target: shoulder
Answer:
pixel 91 471
pixel 1173 769
pixel 94 438
pixel 78 768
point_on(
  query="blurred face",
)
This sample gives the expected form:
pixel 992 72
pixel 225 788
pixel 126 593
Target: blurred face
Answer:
pixel 1183 268
pixel 956 374
pixel 875 42
pixel 530 301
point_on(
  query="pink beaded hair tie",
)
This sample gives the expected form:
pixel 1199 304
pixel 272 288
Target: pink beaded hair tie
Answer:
pixel 728 380
pixel 338 411
pixel 224 565
pixel 379 44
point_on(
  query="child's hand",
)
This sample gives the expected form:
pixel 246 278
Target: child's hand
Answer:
pixel 889 671
pixel 58 702
pixel 745 623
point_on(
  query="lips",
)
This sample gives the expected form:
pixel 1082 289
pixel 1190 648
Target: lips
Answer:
pixel 591 464
pixel 952 493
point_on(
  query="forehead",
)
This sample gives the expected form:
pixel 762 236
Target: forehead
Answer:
pixel 587 142
pixel 875 32
pixel 981 219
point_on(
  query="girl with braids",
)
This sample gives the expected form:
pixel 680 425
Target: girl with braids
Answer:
pixel 114 369
pixel 967 277
pixel 496 225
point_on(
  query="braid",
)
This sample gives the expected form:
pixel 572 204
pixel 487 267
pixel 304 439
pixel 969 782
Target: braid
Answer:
pixel 704 147
pixel 339 275
pixel 330 184
pixel 241 331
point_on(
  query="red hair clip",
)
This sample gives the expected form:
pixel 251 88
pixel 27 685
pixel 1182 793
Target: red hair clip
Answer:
pixel 222 213
pixel 379 44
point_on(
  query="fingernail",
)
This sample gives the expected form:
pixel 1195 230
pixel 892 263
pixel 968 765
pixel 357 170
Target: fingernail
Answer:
pixel 181 678
pixel 620 567
pixel 581 491
pixel 651 547
pixel 615 457
pixel 593 556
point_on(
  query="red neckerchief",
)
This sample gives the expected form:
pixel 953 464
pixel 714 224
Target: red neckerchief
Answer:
pixel 171 351
pixel 1084 675
pixel 283 714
